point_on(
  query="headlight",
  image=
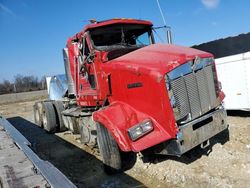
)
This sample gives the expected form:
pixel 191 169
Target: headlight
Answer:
pixel 140 129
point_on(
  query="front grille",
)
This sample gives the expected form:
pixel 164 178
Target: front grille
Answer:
pixel 194 93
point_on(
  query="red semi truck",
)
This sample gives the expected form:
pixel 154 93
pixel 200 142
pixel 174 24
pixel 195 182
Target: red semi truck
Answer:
pixel 127 94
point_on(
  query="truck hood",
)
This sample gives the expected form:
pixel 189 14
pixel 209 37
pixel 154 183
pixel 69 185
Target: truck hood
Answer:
pixel 159 57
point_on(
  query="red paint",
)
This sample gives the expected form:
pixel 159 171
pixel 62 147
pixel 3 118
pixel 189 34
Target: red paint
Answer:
pixel 128 107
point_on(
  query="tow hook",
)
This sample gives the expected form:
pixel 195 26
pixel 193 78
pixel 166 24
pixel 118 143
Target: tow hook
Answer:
pixel 205 144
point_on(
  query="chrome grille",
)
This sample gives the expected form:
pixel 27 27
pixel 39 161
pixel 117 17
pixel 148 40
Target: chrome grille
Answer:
pixel 181 97
pixel 194 93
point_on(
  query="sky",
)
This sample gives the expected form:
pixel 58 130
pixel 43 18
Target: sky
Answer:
pixel 34 32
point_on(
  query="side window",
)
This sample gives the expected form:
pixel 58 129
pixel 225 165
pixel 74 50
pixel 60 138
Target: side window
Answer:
pixel 86 47
pixel 143 39
pixel 86 69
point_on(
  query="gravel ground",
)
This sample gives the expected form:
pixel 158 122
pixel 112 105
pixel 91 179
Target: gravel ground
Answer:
pixel 223 164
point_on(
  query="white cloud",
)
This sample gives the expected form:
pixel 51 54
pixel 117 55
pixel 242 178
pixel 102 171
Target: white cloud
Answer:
pixel 210 4
pixel 6 10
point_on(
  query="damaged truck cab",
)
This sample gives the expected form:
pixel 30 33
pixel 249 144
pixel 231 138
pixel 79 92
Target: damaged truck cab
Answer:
pixel 128 94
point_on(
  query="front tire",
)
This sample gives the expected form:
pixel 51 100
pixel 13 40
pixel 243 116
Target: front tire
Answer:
pixel 109 150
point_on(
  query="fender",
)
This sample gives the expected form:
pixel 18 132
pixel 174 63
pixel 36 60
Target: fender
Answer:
pixel 118 117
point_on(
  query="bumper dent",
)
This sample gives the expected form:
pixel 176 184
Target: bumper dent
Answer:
pixel 196 132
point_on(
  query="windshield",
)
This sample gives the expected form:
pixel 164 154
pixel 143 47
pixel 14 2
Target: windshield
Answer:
pixel 121 35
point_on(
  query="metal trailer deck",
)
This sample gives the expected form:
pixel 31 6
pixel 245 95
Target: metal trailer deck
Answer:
pixel 21 167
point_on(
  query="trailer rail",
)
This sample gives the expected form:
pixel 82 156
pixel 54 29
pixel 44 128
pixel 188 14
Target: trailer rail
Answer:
pixel 50 174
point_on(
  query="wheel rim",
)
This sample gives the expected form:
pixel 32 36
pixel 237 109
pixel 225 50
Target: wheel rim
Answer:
pixel 45 122
pixel 37 116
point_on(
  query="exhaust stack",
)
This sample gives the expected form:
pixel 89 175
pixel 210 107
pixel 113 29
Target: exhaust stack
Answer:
pixel 71 86
pixel 169 36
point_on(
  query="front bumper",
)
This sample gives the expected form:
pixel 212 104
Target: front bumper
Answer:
pixel 195 133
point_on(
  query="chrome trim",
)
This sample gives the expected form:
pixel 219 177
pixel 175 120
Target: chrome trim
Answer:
pixel 192 89
pixel 189 118
pixel 71 86
pixel 189 67
pixel 57 87
pixel 191 137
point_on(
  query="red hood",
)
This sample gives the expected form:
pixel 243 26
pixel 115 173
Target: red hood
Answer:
pixel 159 57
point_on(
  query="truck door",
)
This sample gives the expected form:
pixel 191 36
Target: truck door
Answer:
pixel 87 82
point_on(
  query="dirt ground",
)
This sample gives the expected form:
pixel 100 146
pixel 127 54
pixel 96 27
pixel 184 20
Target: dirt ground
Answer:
pixel 223 164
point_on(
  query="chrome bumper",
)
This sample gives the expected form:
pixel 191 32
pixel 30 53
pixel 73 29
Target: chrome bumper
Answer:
pixel 196 132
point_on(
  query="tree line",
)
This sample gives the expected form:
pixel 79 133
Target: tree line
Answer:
pixel 22 84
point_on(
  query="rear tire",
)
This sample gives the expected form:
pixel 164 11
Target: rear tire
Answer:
pixel 58 109
pixel 38 114
pixel 109 150
pixel 49 117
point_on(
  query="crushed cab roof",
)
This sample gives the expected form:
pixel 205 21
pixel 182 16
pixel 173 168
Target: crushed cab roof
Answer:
pixel 110 22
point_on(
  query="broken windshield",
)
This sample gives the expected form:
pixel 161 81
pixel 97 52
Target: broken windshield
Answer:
pixel 121 36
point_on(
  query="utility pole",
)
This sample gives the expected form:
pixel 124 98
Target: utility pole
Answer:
pixel 168 29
